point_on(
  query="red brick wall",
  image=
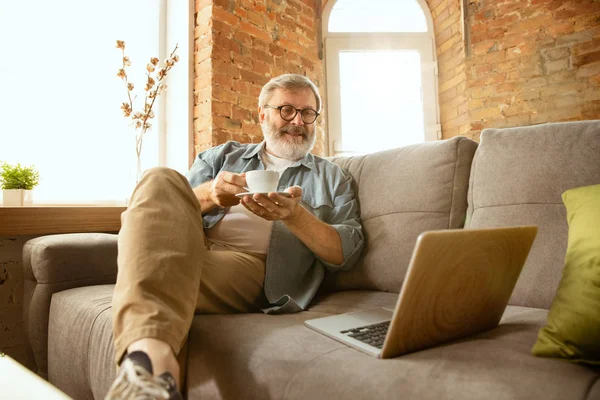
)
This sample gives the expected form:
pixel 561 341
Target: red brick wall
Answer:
pixel 239 46
pixel 203 45
pixel 452 78
pixel 532 61
pixel 520 62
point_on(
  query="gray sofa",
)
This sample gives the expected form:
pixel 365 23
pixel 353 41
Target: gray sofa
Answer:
pixel 513 177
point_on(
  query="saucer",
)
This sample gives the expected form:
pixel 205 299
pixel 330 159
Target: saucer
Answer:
pixel 240 195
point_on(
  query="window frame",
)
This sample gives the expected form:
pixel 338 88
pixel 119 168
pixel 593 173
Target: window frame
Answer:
pixel 336 42
pixel 174 109
pixel 176 130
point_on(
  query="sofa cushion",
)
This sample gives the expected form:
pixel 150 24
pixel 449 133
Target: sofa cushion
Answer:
pixel 276 357
pixel 403 192
pixel 573 328
pixel 517 178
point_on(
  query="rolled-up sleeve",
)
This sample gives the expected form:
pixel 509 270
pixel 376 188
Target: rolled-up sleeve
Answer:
pixel 203 169
pixel 344 217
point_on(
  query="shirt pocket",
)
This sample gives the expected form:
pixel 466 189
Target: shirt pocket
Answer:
pixel 318 205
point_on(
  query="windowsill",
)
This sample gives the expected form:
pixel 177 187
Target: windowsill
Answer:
pixel 44 219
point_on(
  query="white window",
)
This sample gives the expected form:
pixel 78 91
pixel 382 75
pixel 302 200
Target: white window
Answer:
pixel 60 101
pixel 381 75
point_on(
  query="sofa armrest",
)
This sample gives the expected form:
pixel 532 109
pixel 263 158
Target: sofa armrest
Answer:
pixel 59 262
pixel 78 257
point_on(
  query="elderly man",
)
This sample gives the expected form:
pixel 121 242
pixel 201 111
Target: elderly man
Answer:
pixel 192 246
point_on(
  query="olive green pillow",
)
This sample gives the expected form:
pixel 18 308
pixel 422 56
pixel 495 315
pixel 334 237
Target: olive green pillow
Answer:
pixel 572 331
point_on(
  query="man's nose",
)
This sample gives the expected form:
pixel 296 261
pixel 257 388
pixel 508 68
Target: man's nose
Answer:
pixel 298 119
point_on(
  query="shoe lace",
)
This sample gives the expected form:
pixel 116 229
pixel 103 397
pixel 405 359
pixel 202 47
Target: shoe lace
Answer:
pixel 136 383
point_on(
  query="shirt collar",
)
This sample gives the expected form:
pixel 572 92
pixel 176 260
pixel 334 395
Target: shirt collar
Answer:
pixel 253 150
pixel 308 160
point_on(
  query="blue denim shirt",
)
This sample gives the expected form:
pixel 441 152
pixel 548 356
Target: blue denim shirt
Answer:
pixel 293 273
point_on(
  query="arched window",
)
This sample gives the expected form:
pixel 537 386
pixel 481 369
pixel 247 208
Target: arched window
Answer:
pixel 381 75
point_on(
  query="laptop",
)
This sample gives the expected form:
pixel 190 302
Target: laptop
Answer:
pixel 458 283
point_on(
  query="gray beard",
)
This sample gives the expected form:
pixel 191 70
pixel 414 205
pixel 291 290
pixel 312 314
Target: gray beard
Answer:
pixel 290 150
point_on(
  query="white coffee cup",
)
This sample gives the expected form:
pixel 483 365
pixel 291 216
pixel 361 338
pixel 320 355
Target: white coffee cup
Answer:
pixel 262 181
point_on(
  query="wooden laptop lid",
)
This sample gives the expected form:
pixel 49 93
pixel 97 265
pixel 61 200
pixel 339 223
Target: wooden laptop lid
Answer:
pixel 458 284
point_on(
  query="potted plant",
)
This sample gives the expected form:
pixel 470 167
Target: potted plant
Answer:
pixel 17 183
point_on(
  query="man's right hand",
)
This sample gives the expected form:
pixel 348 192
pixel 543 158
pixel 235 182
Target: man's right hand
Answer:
pixel 221 191
pixel 224 188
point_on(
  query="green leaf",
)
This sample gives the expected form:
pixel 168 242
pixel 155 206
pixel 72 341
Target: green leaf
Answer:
pixel 18 177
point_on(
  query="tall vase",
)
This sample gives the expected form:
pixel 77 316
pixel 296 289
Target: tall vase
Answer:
pixel 138 170
pixel 139 138
pixel 134 173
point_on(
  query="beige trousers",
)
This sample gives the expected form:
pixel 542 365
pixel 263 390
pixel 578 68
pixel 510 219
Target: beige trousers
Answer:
pixel 166 272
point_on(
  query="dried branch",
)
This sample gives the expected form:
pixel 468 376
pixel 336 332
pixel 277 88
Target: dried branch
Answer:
pixel 154 87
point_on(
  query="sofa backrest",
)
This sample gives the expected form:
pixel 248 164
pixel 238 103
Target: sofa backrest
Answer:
pixel 517 178
pixel 403 192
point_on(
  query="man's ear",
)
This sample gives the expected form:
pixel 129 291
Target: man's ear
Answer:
pixel 261 114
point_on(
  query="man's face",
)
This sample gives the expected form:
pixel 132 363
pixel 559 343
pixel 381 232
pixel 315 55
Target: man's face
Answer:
pixel 293 139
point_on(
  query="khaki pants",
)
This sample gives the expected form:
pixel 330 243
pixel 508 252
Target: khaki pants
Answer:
pixel 166 273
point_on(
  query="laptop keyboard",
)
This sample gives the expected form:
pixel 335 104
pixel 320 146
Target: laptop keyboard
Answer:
pixel 373 335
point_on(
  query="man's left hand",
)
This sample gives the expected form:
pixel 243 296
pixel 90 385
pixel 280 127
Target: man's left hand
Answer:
pixel 274 206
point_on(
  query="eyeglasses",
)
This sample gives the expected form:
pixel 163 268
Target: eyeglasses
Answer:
pixel 288 113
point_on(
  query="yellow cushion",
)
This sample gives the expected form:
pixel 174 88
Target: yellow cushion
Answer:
pixel 572 331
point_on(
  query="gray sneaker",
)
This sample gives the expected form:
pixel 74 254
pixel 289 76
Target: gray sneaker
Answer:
pixel 135 381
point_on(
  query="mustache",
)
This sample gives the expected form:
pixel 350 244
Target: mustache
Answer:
pixel 293 129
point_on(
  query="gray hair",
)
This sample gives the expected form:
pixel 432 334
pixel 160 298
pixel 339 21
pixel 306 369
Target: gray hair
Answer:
pixel 288 82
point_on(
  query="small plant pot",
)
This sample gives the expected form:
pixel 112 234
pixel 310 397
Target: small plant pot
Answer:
pixel 17 198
